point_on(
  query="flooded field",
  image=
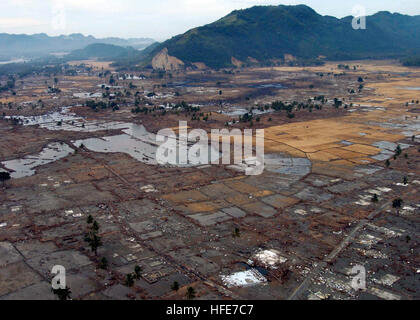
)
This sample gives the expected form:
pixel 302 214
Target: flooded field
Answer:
pixel 26 167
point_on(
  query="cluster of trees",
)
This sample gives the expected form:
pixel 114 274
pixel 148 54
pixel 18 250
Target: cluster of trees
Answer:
pixel 46 66
pixel 97 105
pixel 186 107
pixel 147 110
pixel 343 66
pixel 247 117
pixel 346 67
pixel 144 110
pixel 10 84
pixel 289 107
pixel 413 61
pixel 92 235
pixel 132 277
pixel 190 294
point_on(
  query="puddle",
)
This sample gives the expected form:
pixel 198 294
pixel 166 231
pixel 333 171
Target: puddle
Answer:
pixel 26 166
pixel 409 127
pixel 409 88
pixel 368 108
pixel 267 85
pixel 387 149
pixel 241 111
pixel 368 170
pixel 135 141
pixel 68 121
pixel 88 95
pixel 123 143
pixel 281 163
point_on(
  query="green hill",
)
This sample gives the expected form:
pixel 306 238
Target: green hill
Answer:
pixel 267 33
pixel 103 51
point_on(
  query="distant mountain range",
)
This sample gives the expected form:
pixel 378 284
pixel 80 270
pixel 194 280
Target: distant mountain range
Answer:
pixel 269 33
pixel 259 35
pixel 30 46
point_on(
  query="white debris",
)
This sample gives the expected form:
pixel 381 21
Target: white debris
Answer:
pixel 384 294
pixel 338 285
pixel 408 208
pixel 301 212
pixel 386 231
pixel 4 224
pixel 373 191
pixel 387 280
pixel 375 254
pixel 368 239
pixel 130 257
pixel 148 188
pixel 16 208
pixel 318 296
pixel 269 258
pixel 384 189
pixel 362 202
pixel 243 278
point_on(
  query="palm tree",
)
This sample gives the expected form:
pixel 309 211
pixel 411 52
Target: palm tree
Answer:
pixel 397 203
pixel 190 293
pixel 4 176
pixel 175 286
pixel 95 226
pixel 236 233
pixel 62 294
pixel 89 219
pixel 103 264
pixel 94 241
pixel 129 280
pixel 137 271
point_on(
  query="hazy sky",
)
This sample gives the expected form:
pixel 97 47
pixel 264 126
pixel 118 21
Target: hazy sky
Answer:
pixel 158 19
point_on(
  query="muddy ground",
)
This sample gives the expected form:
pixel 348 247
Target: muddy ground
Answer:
pixel 295 231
